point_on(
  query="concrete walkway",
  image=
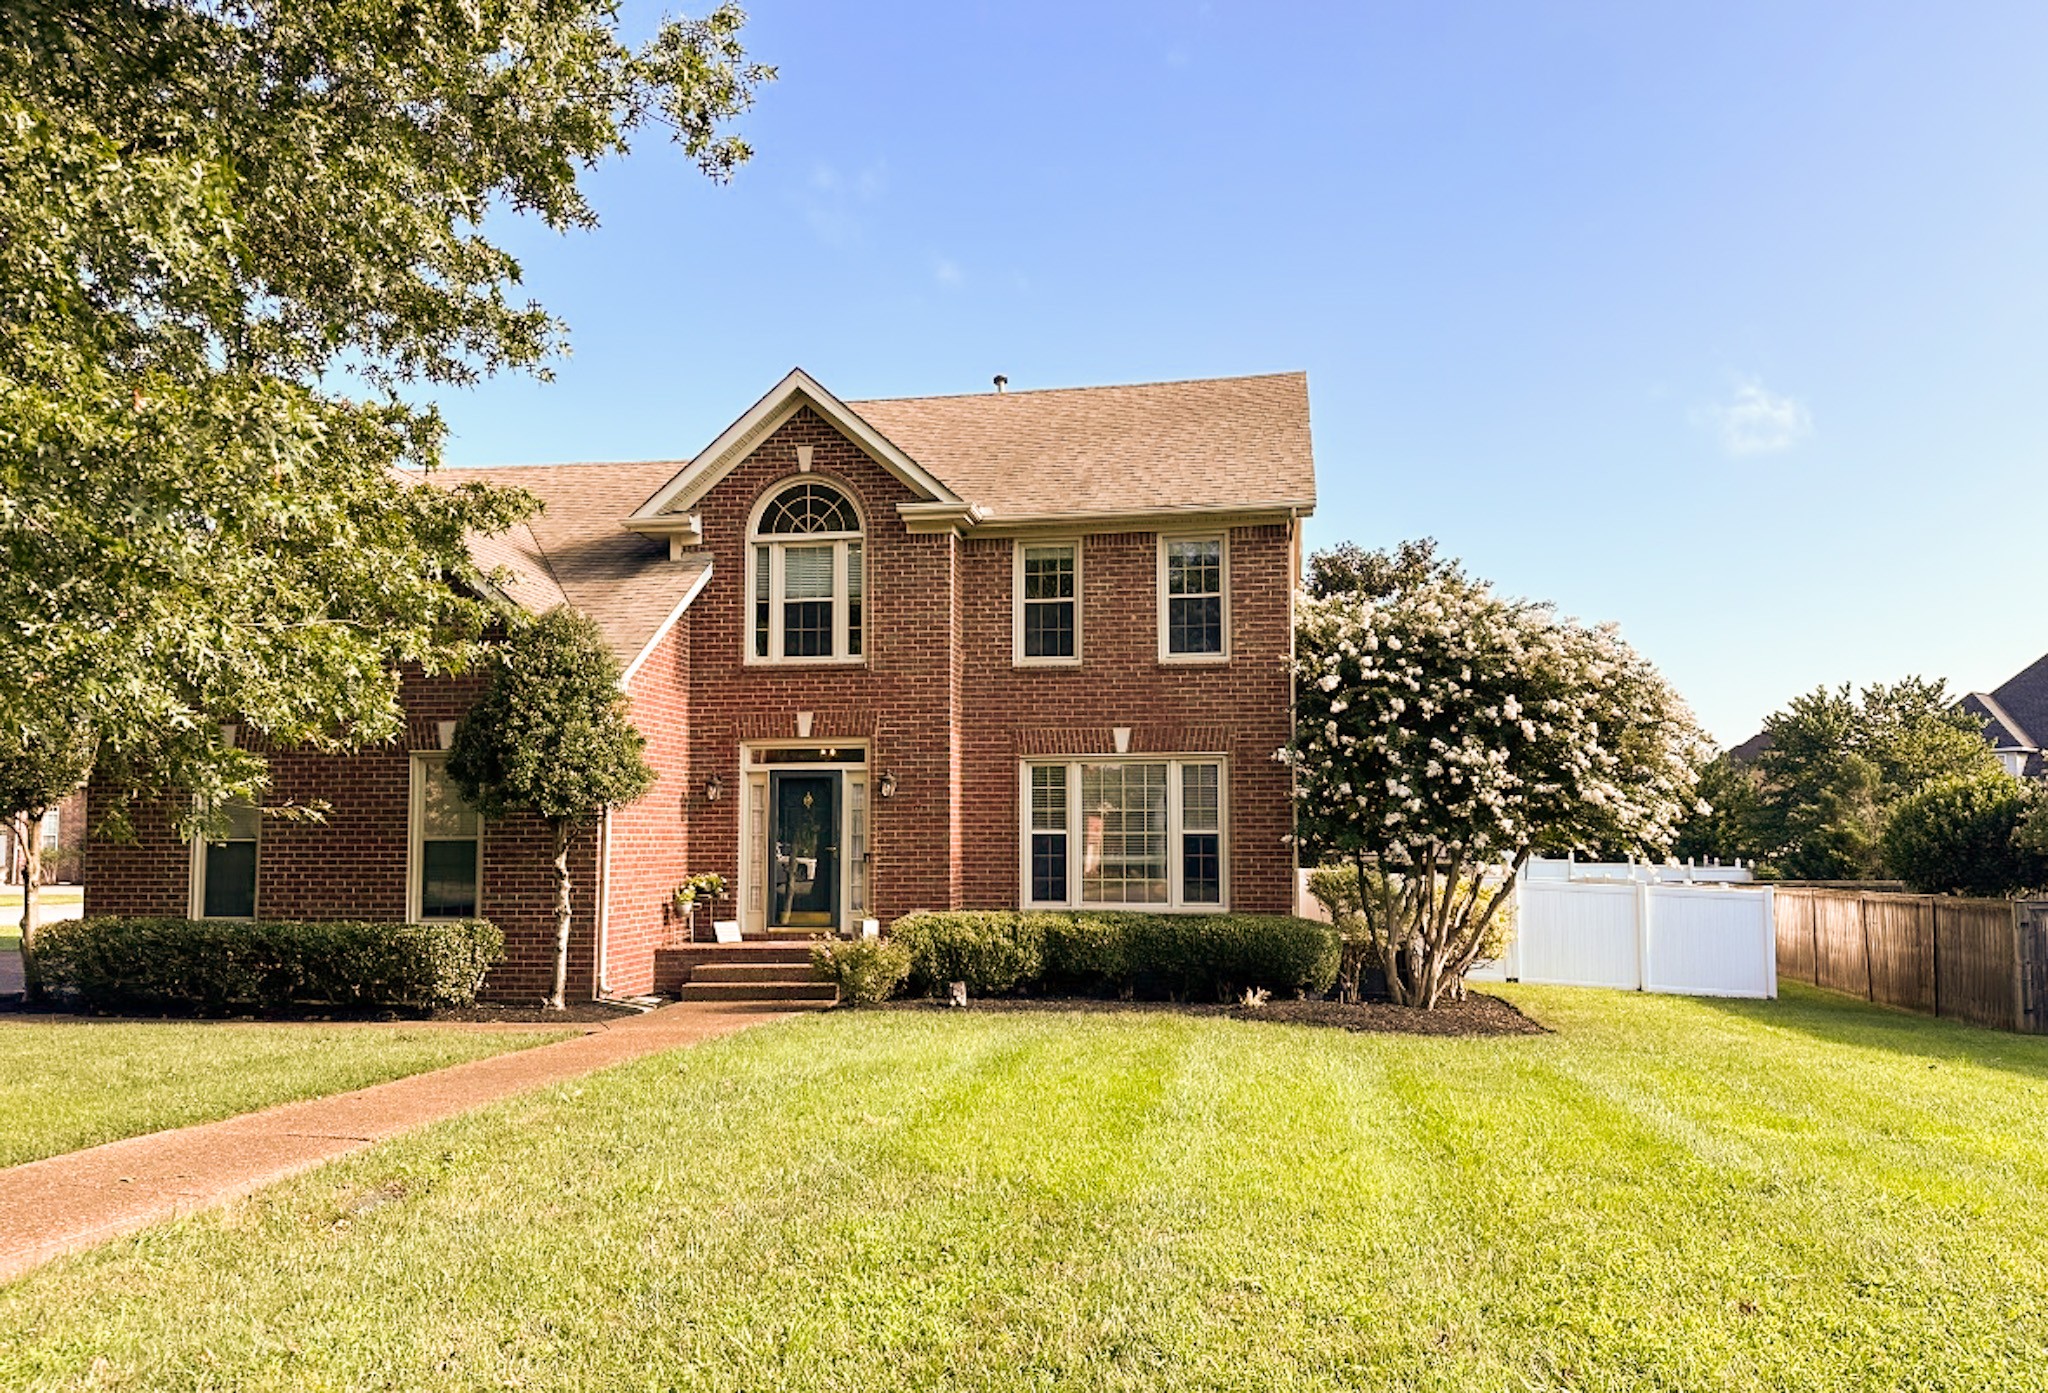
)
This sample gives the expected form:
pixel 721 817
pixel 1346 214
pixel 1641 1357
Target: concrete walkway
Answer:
pixel 65 1203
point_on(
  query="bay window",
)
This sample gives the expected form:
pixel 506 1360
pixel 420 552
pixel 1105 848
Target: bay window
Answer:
pixel 1124 834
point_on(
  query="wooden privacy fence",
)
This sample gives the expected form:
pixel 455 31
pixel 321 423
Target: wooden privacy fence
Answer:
pixel 1982 961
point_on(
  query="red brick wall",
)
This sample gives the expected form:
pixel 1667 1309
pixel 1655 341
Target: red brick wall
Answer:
pixel 898 698
pixel 650 841
pixel 1240 708
pixel 944 711
pixel 951 717
pixel 352 864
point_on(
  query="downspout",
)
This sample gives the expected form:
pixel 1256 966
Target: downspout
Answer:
pixel 600 986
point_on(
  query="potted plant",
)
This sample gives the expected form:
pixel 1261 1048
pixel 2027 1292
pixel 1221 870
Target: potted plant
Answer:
pixel 704 885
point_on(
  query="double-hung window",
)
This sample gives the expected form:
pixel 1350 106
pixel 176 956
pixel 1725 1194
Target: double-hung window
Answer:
pixel 806 579
pixel 1194 612
pixel 1047 603
pixel 447 845
pixel 224 871
pixel 1125 833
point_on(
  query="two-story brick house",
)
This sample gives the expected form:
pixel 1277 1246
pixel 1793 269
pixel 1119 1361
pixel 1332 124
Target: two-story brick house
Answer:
pixel 1004 650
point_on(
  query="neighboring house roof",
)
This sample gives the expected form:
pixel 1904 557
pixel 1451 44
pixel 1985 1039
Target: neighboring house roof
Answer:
pixel 574 550
pixel 1748 750
pixel 2016 715
pixel 2024 698
pixel 2000 728
pixel 1218 444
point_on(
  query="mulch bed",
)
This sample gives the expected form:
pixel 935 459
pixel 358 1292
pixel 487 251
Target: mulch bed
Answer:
pixel 1477 1014
pixel 579 1013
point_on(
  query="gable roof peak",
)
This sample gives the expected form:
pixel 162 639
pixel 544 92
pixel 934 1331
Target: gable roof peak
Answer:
pixel 797 390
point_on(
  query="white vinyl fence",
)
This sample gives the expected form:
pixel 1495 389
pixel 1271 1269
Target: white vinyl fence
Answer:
pixel 1590 927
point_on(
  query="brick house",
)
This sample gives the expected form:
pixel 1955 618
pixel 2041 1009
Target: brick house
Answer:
pixel 1003 650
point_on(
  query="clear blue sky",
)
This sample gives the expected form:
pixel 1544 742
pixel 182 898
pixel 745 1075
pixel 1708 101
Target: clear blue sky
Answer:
pixel 1726 324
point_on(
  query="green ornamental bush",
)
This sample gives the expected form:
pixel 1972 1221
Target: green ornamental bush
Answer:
pixel 1962 836
pixel 866 970
pixel 995 952
pixel 214 966
pixel 1189 956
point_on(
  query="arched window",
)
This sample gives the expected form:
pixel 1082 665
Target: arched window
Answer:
pixel 805 575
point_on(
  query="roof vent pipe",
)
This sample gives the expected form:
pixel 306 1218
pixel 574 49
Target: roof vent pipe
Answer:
pixel 1001 383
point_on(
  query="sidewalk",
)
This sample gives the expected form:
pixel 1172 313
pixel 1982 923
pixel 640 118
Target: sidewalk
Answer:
pixel 65 1203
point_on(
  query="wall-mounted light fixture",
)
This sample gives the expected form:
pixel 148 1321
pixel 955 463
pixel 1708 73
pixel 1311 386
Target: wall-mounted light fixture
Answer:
pixel 886 785
pixel 714 789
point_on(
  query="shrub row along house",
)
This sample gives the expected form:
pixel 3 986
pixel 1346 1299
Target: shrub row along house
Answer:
pixel 1009 650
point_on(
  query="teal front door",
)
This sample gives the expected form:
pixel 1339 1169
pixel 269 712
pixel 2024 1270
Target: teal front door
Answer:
pixel 803 851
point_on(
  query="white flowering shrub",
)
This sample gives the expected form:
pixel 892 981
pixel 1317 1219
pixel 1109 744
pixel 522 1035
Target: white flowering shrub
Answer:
pixel 1444 734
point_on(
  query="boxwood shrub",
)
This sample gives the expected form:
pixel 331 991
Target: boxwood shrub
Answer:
pixel 215 966
pixel 1188 956
pixel 865 970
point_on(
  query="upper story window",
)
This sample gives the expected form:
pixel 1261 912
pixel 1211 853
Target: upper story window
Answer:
pixel 1194 610
pixel 805 577
pixel 1046 603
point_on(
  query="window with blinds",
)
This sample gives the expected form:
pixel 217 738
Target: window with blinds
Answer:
pixel 806 582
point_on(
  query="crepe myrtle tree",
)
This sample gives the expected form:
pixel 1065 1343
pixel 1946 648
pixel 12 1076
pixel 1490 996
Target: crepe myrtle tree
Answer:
pixel 1444 734
pixel 549 735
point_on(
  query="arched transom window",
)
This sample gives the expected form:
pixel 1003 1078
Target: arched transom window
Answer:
pixel 805 576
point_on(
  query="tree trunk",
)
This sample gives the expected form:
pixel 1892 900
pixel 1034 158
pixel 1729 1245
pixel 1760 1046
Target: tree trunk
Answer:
pixel 559 1000
pixel 30 833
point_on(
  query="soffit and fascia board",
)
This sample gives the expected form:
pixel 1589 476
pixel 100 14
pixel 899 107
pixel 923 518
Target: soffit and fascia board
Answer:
pixel 796 391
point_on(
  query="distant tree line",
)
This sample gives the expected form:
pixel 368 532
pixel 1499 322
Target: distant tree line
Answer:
pixel 1894 782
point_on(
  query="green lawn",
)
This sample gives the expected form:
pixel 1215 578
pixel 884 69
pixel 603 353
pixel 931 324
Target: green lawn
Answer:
pixel 65 1086
pixel 1665 1194
pixel 51 897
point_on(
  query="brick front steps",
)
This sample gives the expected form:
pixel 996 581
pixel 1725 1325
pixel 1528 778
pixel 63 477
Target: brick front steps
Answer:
pixel 754 971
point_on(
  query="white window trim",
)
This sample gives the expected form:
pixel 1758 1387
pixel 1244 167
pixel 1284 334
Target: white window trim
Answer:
pixel 1176 903
pixel 839 657
pixel 1222 539
pixel 1017 657
pixel 414 826
pixel 196 900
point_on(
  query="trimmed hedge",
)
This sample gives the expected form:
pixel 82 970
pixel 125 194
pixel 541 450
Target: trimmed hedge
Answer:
pixel 865 970
pixel 214 966
pixel 1187 956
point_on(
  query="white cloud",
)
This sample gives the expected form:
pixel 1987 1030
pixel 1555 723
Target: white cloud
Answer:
pixel 836 205
pixel 1755 420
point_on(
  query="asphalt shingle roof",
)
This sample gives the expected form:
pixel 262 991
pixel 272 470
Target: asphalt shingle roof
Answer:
pixel 1228 442
pixel 575 550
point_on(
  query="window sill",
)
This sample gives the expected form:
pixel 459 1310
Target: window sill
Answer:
pixel 753 662
pixel 1029 908
pixel 1028 663
pixel 1193 659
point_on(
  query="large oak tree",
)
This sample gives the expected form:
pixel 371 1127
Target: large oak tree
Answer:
pixel 234 235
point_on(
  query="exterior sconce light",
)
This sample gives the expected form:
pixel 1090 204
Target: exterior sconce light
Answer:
pixel 886 785
pixel 714 789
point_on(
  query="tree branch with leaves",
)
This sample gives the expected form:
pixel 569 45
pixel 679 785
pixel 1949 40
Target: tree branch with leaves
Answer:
pixel 234 234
